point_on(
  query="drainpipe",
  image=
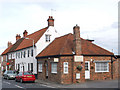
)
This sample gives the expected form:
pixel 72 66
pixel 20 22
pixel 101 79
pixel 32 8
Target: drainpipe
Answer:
pixel 111 68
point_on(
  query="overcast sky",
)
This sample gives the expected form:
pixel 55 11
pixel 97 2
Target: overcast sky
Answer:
pixel 98 19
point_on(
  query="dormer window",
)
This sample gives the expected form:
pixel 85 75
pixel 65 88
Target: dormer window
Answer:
pixel 47 37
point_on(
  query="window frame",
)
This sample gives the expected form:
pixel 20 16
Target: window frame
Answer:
pixel 54 68
pixel 40 67
pixel 64 67
pixel 100 67
pixel 47 37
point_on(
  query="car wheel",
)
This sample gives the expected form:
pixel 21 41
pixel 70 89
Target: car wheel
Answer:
pixel 33 81
pixel 21 80
pixel 16 79
pixel 7 78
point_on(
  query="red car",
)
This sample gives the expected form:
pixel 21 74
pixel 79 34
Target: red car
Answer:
pixel 25 76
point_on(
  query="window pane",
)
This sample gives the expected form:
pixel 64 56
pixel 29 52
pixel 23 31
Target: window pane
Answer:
pixel 54 67
pixel 101 66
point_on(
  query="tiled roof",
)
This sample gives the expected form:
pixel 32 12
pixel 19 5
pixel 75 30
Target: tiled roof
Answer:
pixel 14 46
pixel 23 43
pixel 64 46
pixel 35 36
pixel 5 52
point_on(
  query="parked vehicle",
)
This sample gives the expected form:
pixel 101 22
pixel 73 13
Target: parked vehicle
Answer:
pixel 9 74
pixel 25 76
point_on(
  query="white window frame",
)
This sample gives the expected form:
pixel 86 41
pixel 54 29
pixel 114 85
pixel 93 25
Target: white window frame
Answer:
pixel 100 67
pixel 47 37
pixel 40 67
pixel 65 67
pixel 53 67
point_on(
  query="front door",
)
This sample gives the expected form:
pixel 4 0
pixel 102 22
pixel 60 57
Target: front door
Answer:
pixel 46 64
pixel 87 69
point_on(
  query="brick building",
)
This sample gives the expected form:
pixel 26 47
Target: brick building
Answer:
pixel 72 59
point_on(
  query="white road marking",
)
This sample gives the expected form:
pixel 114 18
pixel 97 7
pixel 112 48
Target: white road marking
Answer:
pixel 47 86
pixel 18 86
pixel 7 82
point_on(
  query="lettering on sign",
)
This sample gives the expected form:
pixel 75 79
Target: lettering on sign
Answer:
pixel 78 58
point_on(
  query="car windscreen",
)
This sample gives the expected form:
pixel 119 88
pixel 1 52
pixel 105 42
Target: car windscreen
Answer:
pixel 11 72
pixel 27 73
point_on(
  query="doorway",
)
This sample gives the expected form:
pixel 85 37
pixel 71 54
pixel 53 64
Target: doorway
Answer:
pixel 87 69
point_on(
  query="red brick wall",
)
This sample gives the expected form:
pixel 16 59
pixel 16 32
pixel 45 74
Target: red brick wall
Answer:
pixel 70 78
pixel 4 62
pixel 98 75
pixel 60 77
pixel 115 69
pixel 66 78
pixel 51 76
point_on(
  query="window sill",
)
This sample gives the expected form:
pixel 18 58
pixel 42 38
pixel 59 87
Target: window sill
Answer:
pixel 39 72
pixel 101 71
pixel 54 72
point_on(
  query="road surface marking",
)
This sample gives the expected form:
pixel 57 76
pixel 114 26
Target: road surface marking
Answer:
pixel 7 82
pixel 47 86
pixel 18 86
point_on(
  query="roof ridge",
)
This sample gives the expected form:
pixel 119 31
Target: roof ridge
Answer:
pixel 101 48
pixel 63 36
pixel 37 31
pixel 65 43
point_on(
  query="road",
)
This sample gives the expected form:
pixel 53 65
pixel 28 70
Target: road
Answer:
pixel 13 84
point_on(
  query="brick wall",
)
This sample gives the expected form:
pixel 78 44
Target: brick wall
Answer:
pixel 60 77
pixel 51 76
pixel 115 69
pixel 98 75
pixel 70 78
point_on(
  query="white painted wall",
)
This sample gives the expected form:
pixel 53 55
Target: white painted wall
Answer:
pixel 40 45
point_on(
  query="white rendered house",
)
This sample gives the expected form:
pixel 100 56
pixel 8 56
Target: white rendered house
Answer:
pixel 24 51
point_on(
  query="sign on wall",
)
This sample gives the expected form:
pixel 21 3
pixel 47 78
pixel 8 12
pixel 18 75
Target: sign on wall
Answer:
pixel 77 75
pixel 78 58
pixel 56 60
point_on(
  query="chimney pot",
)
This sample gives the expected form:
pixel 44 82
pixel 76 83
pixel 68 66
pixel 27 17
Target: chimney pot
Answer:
pixel 9 43
pixel 50 21
pixel 25 33
pixel 18 36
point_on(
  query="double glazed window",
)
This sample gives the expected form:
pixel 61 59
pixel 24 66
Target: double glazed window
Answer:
pixel 32 52
pixel 53 67
pixel 47 38
pixel 65 67
pixel 101 67
pixel 40 67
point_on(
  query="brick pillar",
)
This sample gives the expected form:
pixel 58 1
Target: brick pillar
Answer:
pixel 78 59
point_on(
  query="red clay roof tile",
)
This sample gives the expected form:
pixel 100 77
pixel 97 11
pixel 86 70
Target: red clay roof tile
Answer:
pixel 23 43
pixel 64 46
pixel 35 36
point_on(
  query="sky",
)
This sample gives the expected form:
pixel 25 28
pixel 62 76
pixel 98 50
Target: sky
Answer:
pixel 98 19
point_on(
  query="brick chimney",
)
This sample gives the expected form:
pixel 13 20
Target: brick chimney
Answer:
pixel 50 21
pixel 18 37
pixel 9 43
pixel 77 40
pixel 25 33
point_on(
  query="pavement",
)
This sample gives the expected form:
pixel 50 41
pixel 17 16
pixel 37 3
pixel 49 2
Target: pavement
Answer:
pixel 87 84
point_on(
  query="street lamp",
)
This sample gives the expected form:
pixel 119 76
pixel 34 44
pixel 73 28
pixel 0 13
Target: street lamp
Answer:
pixel 33 46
